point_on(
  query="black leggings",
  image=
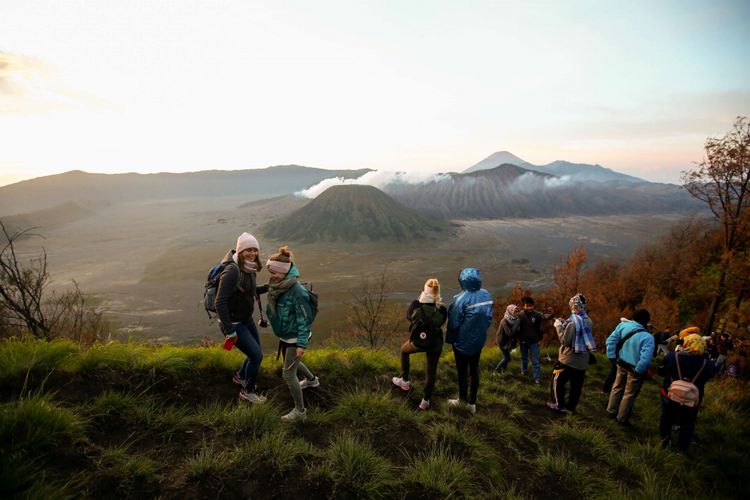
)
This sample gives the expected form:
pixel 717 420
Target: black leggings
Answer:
pixel 467 366
pixel 431 372
pixel 561 375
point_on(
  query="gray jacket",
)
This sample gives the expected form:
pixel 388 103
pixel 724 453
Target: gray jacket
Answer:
pixel 567 356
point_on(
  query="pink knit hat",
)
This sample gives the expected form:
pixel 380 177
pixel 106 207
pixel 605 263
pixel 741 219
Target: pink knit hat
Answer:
pixel 245 241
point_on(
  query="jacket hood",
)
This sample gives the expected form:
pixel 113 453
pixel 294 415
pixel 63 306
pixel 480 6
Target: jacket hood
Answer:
pixel 228 255
pixel 470 279
pixel 293 271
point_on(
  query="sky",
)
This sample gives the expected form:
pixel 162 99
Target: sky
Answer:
pixel 415 86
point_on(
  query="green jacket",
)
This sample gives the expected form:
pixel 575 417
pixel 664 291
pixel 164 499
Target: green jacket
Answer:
pixel 291 319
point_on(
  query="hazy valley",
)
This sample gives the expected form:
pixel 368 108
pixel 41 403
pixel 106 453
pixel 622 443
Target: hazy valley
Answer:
pixel 144 254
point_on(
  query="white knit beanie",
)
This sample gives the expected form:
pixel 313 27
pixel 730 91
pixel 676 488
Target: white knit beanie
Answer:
pixel 245 241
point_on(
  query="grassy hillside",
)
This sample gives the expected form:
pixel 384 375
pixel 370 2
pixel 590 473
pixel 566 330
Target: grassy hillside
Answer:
pixel 130 421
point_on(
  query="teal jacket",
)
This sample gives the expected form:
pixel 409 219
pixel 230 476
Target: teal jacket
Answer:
pixel 637 351
pixel 291 320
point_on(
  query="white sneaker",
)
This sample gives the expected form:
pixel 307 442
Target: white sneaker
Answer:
pixel 454 402
pixel 310 383
pixel 405 385
pixel 294 415
pixel 472 407
pixel 251 397
pixel 424 405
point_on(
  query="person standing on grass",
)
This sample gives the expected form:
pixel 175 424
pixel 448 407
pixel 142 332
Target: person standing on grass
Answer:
pixel 530 334
pixel 290 314
pixel 636 349
pixel 426 316
pixel 576 344
pixel 689 364
pixel 507 335
pixel 469 317
pixel 631 326
pixel 236 294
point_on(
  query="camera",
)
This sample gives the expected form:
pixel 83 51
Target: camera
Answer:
pixel 263 323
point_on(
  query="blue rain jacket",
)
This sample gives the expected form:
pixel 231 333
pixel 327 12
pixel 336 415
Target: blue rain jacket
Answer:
pixel 470 314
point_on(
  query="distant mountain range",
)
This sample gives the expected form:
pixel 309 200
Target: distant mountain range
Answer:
pixel 506 190
pixel 87 189
pixel 353 213
pixel 511 191
pixel 578 171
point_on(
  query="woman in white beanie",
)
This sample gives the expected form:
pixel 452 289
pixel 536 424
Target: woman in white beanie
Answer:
pixel 235 300
pixel 290 313
pixel 426 316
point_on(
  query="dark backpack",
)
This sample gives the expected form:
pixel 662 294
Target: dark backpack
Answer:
pixel 310 300
pixel 211 286
pixel 425 331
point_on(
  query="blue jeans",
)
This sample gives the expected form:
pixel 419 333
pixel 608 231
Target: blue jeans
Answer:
pixel 503 362
pixel 533 349
pixel 248 341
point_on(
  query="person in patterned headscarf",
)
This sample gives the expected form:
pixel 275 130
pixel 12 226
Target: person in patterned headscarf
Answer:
pixel 507 334
pixel 689 364
pixel 576 344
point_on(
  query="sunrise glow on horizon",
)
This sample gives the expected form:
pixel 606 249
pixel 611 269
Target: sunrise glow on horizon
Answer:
pixel 119 86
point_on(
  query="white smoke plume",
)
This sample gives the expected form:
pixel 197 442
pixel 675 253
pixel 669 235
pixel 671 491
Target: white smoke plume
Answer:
pixel 377 178
pixel 530 182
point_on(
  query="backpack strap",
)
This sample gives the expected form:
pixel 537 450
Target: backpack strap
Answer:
pixel 622 341
pixel 677 360
pixel 699 372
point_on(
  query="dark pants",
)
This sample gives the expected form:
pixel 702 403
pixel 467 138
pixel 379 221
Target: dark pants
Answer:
pixel 433 358
pixel 610 378
pixel 467 366
pixel 672 413
pixel 561 375
pixel 248 341
pixel 503 362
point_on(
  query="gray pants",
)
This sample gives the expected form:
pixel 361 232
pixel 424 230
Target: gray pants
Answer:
pixel 624 392
pixel 291 364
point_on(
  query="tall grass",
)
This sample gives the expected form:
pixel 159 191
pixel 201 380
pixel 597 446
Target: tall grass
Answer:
pixel 127 467
pixel 355 469
pixel 17 357
pixel 563 470
pixel 208 463
pixel 30 429
pixel 377 409
pixel 253 420
pixel 440 473
pixel 280 450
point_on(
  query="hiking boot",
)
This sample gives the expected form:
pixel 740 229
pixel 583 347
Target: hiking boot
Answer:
pixel 237 380
pixel 472 407
pixel 310 383
pixel 454 402
pixel 424 405
pixel 405 385
pixel 537 382
pixel 252 397
pixel 295 414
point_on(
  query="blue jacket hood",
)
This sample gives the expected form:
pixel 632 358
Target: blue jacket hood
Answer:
pixel 470 279
pixel 293 271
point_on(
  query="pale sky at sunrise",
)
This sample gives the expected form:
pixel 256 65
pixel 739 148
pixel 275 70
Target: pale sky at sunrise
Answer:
pixel 116 85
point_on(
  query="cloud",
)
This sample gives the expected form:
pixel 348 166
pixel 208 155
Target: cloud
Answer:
pixel 29 86
pixel 531 182
pixel 377 178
